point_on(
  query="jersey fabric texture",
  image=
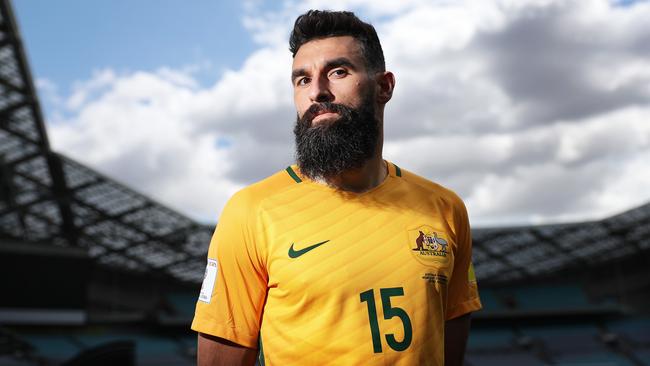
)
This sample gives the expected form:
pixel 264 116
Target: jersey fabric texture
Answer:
pixel 325 277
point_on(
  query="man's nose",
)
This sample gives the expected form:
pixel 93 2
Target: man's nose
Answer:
pixel 319 90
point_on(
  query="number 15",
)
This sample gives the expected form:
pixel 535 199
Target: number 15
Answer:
pixel 389 312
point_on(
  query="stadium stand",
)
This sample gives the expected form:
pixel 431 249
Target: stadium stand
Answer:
pixel 96 272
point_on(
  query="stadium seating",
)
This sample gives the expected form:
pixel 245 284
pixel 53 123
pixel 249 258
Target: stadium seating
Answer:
pixel 150 349
pixel 12 361
pixel 491 301
pixel 636 330
pixel 643 355
pixel 555 324
pixel 550 297
pixel 593 358
pixel 107 354
pixel 53 347
pixel 514 358
pixel 555 344
pixel 560 338
pixel 490 339
pixel 182 303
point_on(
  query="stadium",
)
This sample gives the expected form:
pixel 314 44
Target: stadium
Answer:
pixel 95 273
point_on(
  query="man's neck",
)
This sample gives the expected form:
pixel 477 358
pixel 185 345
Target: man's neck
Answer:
pixel 369 176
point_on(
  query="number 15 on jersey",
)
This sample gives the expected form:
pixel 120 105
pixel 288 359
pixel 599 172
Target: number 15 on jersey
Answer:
pixel 389 312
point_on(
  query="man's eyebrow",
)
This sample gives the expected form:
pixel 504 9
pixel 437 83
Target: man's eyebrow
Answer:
pixel 338 62
pixel 298 72
pixel 330 64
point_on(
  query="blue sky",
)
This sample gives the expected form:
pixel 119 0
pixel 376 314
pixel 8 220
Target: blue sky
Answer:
pixel 67 40
pixel 532 111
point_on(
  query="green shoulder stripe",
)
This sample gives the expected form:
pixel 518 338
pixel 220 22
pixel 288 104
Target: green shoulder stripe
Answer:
pixel 293 175
pixel 398 171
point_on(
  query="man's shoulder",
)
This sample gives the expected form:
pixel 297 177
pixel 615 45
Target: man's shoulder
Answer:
pixel 254 194
pixel 430 188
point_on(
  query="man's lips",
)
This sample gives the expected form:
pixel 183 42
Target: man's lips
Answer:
pixel 324 115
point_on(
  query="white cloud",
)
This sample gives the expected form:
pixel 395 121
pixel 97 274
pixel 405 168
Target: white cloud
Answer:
pixel 49 90
pixel 84 90
pixel 138 131
pixel 534 111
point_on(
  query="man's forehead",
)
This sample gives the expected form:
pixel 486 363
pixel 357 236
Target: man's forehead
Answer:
pixel 323 49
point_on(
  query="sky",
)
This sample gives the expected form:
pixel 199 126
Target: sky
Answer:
pixel 533 111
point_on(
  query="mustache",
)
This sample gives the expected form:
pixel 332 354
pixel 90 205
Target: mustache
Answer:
pixel 318 108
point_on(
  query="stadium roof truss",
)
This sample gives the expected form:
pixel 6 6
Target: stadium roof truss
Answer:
pixel 510 254
pixel 49 198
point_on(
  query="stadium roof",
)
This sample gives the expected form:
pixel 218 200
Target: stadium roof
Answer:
pixel 49 198
pixel 520 253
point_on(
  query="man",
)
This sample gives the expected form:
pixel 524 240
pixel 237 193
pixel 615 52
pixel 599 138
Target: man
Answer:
pixel 344 258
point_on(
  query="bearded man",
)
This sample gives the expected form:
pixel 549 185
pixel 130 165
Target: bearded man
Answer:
pixel 335 260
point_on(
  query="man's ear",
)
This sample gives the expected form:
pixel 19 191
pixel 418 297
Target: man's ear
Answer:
pixel 386 83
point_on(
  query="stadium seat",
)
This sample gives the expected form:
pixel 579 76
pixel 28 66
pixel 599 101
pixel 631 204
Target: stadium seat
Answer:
pixel 51 346
pixel 514 358
pixel 149 349
pixel 11 361
pixel 550 297
pixel 643 355
pixel 490 339
pixel 490 300
pixel 561 338
pixel 602 358
pixel 108 354
pixel 636 330
pixel 182 303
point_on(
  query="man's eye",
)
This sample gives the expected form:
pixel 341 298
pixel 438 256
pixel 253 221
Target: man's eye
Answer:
pixel 302 81
pixel 338 72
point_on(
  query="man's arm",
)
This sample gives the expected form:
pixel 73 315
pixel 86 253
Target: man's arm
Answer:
pixel 456 332
pixel 215 351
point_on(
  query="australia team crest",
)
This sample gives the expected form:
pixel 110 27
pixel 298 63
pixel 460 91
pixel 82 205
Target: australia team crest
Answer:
pixel 429 246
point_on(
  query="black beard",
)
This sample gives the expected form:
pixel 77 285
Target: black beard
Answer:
pixel 328 149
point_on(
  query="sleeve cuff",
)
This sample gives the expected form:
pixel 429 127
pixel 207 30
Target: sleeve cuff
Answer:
pixel 235 335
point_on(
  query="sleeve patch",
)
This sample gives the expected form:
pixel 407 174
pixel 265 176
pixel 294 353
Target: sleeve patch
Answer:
pixel 471 276
pixel 209 279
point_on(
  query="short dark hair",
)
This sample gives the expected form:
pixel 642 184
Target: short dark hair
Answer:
pixel 318 24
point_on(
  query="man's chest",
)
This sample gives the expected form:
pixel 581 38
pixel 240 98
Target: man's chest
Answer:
pixel 343 250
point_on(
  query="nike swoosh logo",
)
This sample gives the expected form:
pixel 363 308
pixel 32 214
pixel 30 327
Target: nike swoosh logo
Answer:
pixel 297 253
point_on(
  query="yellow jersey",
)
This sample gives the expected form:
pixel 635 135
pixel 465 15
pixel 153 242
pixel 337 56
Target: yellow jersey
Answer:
pixel 320 276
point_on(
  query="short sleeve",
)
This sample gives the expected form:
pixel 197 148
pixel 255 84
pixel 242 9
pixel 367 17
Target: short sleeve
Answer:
pixel 462 294
pixel 234 288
